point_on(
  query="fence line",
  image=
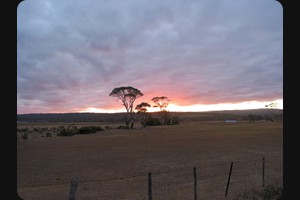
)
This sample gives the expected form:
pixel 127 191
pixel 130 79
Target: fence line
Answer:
pixel 150 192
pixel 228 179
pixel 175 182
pixel 263 172
pixel 157 173
pixel 195 182
pixel 149 186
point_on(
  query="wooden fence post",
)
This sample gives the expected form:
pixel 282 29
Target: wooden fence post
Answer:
pixel 74 184
pixel 228 179
pixel 149 186
pixel 263 172
pixel 195 183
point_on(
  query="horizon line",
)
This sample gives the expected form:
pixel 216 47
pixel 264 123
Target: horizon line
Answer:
pixel 150 111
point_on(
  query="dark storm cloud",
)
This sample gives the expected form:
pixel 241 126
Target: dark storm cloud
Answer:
pixel 71 54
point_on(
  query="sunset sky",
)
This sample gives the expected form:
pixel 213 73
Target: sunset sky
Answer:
pixel 201 54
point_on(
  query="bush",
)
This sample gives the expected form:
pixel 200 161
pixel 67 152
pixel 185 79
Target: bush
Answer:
pixel 36 129
pixel 175 120
pixel 74 130
pixel 90 129
pixel 65 132
pixel 25 136
pixel 168 119
pixel 270 192
pixel 150 121
pixel 23 130
pixel 122 127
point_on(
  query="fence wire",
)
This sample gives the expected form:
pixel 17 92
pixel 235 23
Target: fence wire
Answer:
pixel 168 183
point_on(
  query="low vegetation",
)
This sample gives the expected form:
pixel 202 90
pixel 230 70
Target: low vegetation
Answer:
pixel 247 115
pixel 271 192
pixel 62 130
pixel 73 130
pixel 33 125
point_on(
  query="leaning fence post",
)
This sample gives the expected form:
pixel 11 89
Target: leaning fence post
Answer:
pixel 228 179
pixel 263 172
pixel 149 186
pixel 195 183
pixel 74 184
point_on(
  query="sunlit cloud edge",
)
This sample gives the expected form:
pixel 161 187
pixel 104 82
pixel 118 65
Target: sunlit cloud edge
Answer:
pixel 197 107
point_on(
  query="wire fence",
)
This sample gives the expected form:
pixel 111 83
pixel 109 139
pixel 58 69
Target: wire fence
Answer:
pixel 210 181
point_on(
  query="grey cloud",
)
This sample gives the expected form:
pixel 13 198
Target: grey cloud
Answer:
pixel 212 51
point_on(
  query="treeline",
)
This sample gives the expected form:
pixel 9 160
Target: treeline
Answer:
pixel 178 116
pixel 84 117
pixel 71 117
pixel 118 117
pixel 265 117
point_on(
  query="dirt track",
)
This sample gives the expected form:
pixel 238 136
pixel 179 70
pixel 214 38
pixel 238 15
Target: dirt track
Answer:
pixel 114 164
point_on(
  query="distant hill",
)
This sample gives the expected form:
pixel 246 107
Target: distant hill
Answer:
pixel 119 117
pixel 262 111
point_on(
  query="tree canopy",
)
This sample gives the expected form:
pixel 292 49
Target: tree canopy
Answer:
pixel 142 107
pixel 127 95
pixel 161 102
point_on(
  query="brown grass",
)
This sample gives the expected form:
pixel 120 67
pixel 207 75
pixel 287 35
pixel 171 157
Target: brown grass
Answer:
pixel 113 164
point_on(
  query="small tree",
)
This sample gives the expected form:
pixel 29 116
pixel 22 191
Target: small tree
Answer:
pixel 142 107
pixel 127 95
pixel 142 111
pixel 161 102
pixel 272 107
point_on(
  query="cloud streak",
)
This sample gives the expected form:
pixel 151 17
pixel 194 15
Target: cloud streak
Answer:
pixel 72 54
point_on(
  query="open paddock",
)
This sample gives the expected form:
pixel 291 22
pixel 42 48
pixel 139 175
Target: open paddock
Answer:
pixel 113 164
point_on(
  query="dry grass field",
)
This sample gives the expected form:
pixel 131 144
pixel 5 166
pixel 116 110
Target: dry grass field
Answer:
pixel 114 164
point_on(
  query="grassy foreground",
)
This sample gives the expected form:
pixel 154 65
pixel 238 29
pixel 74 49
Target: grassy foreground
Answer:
pixel 114 163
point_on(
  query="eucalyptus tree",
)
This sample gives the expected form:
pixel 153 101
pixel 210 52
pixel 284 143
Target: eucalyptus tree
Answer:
pixel 142 112
pixel 127 95
pixel 273 108
pixel 142 107
pixel 161 102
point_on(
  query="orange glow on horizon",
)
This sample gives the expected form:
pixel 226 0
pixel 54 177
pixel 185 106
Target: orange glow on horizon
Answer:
pixel 197 107
pixel 99 110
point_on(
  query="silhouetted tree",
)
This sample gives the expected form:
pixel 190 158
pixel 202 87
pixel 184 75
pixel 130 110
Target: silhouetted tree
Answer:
pixel 142 111
pixel 142 107
pixel 272 107
pixel 127 95
pixel 161 102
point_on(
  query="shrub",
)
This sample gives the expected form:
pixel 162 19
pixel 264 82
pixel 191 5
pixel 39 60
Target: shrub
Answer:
pixel 22 130
pixel 122 127
pixel 36 129
pixel 25 136
pixel 175 120
pixel 65 132
pixel 74 130
pixel 168 118
pixel 90 129
pixel 150 121
pixel 270 192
